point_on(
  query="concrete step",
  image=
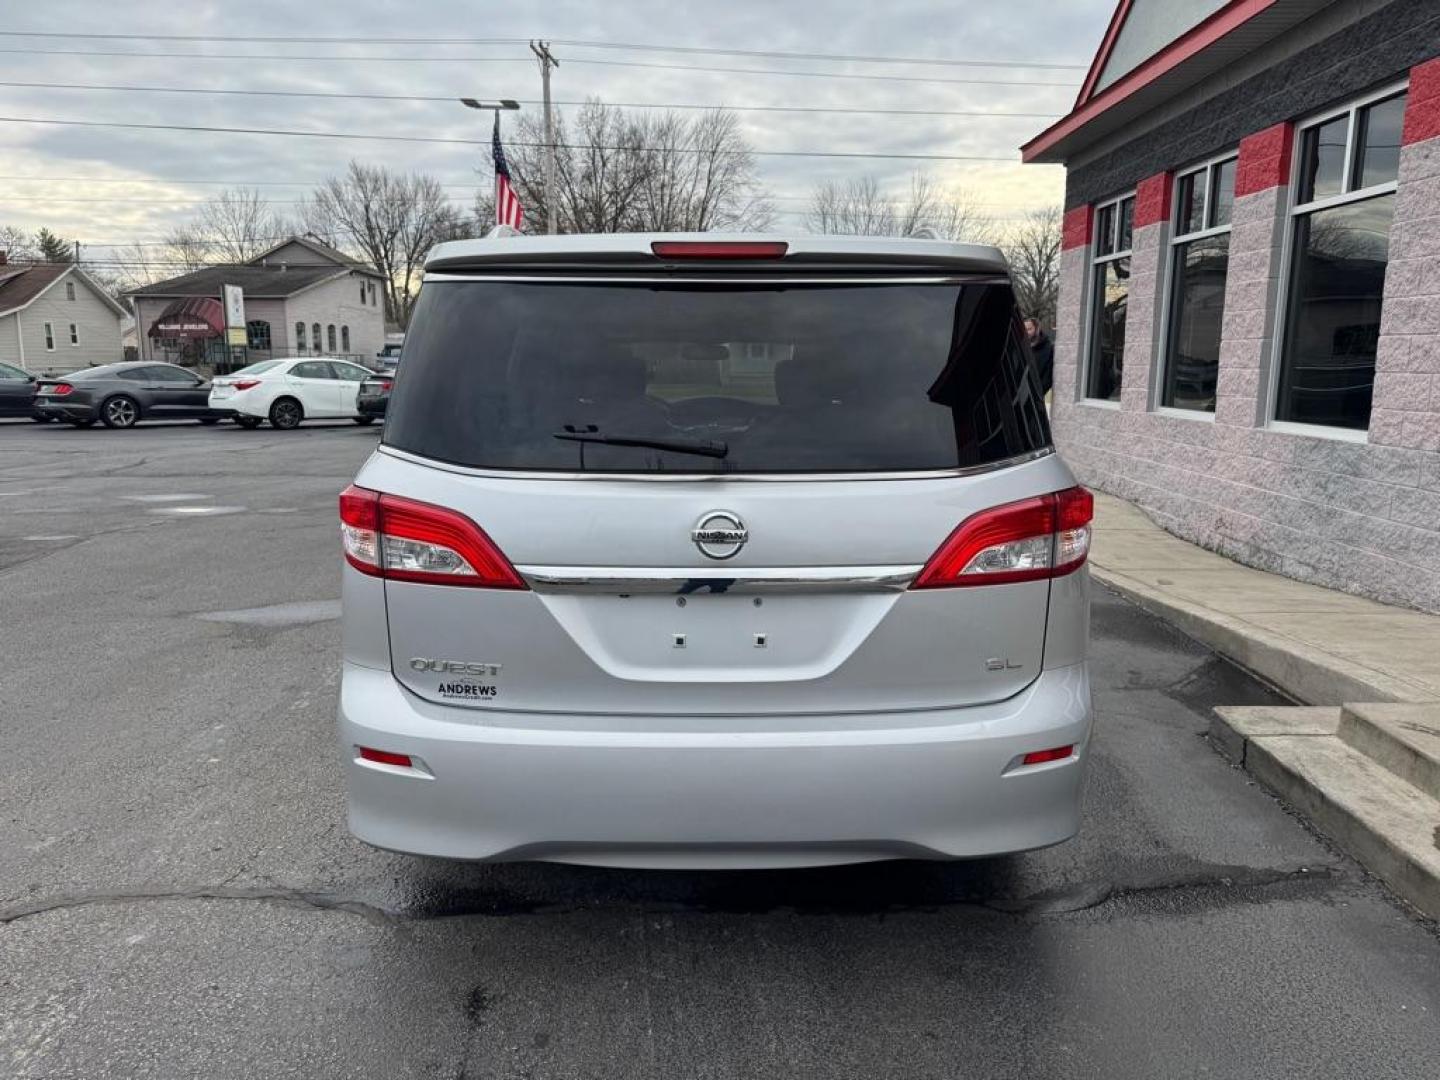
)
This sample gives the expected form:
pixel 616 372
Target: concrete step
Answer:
pixel 1389 825
pixel 1403 738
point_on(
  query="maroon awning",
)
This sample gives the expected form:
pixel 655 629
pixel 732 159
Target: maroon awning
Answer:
pixel 192 317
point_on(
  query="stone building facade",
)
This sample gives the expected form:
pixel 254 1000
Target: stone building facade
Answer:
pixel 1248 335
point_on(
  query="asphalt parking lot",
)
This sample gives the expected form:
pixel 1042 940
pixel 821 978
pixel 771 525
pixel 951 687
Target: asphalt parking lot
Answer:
pixel 179 896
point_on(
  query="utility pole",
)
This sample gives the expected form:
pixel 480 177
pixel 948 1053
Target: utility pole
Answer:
pixel 541 49
pixel 77 252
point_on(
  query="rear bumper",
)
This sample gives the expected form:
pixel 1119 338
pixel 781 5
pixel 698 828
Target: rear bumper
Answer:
pixel 371 406
pixel 80 410
pixel 919 785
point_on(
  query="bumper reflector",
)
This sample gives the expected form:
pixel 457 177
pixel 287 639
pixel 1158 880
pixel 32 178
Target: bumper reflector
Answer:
pixel 1040 757
pixel 385 757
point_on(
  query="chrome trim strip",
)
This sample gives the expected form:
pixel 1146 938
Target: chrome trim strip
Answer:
pixel 714 478
pixel 683 580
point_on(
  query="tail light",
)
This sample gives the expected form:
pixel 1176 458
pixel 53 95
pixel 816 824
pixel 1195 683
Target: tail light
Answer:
pixel 404 540
pixel 1044 537
pixel 386 384
pixel 60 389
pixel 720 249
pixel 246 384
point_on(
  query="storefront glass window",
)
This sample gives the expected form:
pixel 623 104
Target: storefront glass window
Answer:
pixel 1199 267
pixel 1339 253
pixel 1110 298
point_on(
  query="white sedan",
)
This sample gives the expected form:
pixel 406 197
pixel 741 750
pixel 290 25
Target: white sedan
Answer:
pixel 286 392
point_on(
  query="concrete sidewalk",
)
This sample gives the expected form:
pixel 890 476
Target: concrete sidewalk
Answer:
pixel 1361 757
pixel 1320 646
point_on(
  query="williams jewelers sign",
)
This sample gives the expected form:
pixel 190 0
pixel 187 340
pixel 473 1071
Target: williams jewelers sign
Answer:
pixel 192 317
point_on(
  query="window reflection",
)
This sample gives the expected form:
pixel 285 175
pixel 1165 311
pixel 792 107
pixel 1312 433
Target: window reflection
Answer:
pixel 1333 326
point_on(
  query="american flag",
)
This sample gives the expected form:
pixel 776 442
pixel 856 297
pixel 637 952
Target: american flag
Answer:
pixel 507 204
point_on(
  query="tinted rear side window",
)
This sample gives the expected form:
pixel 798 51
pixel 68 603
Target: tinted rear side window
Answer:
pixel 767 378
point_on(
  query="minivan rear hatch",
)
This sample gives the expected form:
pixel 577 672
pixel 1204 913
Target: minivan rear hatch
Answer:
pixel 716 484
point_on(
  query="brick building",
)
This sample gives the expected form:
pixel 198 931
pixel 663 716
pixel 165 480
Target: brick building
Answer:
pixel 1248 336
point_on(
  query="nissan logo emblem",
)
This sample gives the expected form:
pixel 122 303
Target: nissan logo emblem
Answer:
pixel 719 534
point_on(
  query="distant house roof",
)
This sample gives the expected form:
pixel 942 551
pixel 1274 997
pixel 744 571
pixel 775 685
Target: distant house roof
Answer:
pixel 259 282
pixel 318 247
pixel 19 285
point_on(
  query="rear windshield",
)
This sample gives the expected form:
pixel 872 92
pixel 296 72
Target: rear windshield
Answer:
pixel 714 378
pixel 256 369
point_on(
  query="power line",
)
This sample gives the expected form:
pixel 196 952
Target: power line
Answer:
pixel 571 43
pixel 452 98
pixel 469 186
pixel 1024 84
pixel 369 137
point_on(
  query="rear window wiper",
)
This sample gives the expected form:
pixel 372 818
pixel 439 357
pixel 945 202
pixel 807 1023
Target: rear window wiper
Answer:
pixel 679 444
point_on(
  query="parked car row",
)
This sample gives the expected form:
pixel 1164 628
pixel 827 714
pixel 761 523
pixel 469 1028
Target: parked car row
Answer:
pixel 283 392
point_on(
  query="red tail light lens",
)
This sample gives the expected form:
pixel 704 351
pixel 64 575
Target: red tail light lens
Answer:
pixel 247 384
pixel 61 389
pixel 404 540
pixel 386 384
pixel 720 249
pixel 1030 540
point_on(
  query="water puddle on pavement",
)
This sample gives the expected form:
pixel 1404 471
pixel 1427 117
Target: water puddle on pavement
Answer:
pixel 198 511
pixel 292 614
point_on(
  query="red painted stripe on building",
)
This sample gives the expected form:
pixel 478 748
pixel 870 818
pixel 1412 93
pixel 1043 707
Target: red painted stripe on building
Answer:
pixel 1152 200
pixel 1264 160
pixel 1076 228
pixel 1422 108
pixel 1194 41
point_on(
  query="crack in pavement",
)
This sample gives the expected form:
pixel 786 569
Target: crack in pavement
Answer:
pixel 290 897
pixel 1066 900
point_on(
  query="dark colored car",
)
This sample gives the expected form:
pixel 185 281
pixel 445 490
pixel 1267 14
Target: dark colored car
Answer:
pixel 17 393
pixel 120 395
pixel 374 396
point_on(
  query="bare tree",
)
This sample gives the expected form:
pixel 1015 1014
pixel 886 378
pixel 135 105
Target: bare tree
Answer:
pixel 238 224
pixel 860 207
pixel 1033 251
pixel 392 220
pixel 617 172
pixel 17 244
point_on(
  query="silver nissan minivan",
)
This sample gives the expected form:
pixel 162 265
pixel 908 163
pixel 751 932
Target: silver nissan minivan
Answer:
pixel 715 551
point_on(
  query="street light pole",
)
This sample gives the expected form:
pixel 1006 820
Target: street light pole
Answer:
pixel 541 49
pixel 503 105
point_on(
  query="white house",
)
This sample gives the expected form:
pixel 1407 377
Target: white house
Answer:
pixel 302 297
pixel 54 319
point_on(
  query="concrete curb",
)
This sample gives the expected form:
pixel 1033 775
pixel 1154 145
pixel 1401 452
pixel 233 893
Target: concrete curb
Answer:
pixel 1380 820
pixel 1307 674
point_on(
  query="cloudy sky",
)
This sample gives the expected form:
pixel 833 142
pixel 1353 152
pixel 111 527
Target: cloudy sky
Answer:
pixel 112 185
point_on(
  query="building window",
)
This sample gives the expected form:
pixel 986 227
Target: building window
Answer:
pixel 69 290
pixel 372 294
pixel 1347 166
pixel 299 337
pixel 1110 297
pixel 345 339
pixel 330 337
pixel 1199 264
pixel 362 293
pixel 315 337
pixel 49 337
pixel 74 334
pixel 257 335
